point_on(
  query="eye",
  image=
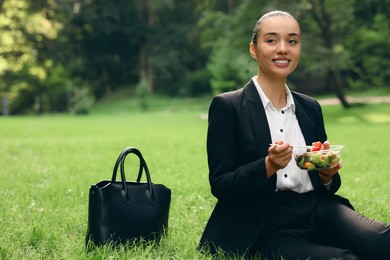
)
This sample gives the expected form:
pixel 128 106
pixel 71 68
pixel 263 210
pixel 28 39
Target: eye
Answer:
pixel 293 42
pixel 270 41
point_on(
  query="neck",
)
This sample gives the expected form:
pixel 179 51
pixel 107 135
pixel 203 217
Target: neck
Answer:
pixel 274 89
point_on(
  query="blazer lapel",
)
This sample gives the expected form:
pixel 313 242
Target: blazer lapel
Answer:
pixel 259 120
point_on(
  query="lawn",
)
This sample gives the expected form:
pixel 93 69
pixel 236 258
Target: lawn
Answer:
pixel 49 162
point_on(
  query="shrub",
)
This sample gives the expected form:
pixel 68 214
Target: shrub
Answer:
pixel 80 101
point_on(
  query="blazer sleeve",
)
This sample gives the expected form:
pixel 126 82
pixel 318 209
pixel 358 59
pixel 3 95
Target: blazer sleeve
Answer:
pixel 233 175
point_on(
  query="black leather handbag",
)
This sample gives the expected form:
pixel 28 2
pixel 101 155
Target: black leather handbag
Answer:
pixel 120 211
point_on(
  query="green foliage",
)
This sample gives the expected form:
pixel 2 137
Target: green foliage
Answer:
pixel 15 53
pixel 15 49
pixel 372 68
pixel 80 101
pixel 57 86
pixel 21 97
pixel 106 36
pixel 181 47
pixel 48 164
pixel 230 64
pixel 31 83
pixel 142 92
pixel 223 70
pixel 195 83
pixel 214 27
pixel 174 47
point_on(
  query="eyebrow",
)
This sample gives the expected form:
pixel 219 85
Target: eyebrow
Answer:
pixel 275 33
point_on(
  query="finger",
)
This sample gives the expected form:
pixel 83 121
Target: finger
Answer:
pixel 329 172
pixel 340 165
pixel 283 148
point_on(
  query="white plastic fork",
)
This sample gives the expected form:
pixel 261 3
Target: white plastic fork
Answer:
pixel 296 145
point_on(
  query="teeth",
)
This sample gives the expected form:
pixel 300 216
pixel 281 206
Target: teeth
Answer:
pixel 281 61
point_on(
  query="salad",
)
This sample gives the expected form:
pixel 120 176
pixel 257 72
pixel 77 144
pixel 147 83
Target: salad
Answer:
pixel 319 156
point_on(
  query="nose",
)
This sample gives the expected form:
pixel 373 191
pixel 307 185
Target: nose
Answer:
pixel 282 47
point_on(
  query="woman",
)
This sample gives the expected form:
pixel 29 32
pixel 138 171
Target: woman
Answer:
pixel 267 205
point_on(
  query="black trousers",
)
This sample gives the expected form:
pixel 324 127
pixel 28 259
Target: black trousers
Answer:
pixel 313 226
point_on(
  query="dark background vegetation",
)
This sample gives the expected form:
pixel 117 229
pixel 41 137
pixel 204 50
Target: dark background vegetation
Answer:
pixel 63 55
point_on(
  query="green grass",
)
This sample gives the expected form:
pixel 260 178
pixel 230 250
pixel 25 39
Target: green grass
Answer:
pixel 365 133
pixel 369 92
pixel 49 162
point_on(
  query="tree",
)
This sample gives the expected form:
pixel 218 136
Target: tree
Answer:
pixel 175 54
pixel 369 44
pixel 15 53
pixel 53 52
pixel 330 26
pixel 146 70
pixel 103 38
pixel 122 44
pixel 27 32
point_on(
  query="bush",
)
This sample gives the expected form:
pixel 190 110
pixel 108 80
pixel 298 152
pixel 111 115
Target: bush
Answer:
pixel 142 92
pixel 196 83
pixel 372 68
pixel 80 101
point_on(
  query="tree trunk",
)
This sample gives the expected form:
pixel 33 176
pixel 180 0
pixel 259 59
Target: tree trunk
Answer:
pixel 324 21
pixel 333 78
pixel 146 70
pixel 5 105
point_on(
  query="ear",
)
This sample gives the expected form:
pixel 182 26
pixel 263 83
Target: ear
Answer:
pixel 252 50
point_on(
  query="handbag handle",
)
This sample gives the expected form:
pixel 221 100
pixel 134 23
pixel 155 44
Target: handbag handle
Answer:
pixel 143 166
pixel 123 154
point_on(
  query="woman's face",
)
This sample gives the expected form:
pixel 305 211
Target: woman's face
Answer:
pixel 278 46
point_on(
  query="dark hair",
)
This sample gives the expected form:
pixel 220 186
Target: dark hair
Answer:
pixel 257 28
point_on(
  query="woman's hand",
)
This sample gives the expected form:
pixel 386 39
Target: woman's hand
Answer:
pixel 326 175
pixel 279 156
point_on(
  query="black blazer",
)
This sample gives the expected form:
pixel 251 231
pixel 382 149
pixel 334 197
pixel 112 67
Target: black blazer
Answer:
pixel 238 139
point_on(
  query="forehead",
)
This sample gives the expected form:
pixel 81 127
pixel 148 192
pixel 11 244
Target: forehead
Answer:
pixel 280 24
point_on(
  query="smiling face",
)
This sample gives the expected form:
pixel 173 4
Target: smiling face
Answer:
pixel 278 46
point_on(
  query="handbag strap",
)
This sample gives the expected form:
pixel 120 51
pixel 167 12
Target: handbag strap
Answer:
pixel 121 157
pixel 120 162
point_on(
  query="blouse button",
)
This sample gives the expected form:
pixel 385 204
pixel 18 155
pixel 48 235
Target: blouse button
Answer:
pixel 285 175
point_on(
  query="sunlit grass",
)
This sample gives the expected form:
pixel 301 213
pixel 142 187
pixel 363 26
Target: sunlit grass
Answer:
pixel 49 162
pixel 365 133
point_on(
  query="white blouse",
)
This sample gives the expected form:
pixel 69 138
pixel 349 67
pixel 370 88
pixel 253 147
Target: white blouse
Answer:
pixel 284 126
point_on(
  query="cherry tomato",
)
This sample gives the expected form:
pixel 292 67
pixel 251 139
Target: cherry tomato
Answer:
pixel 317 146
